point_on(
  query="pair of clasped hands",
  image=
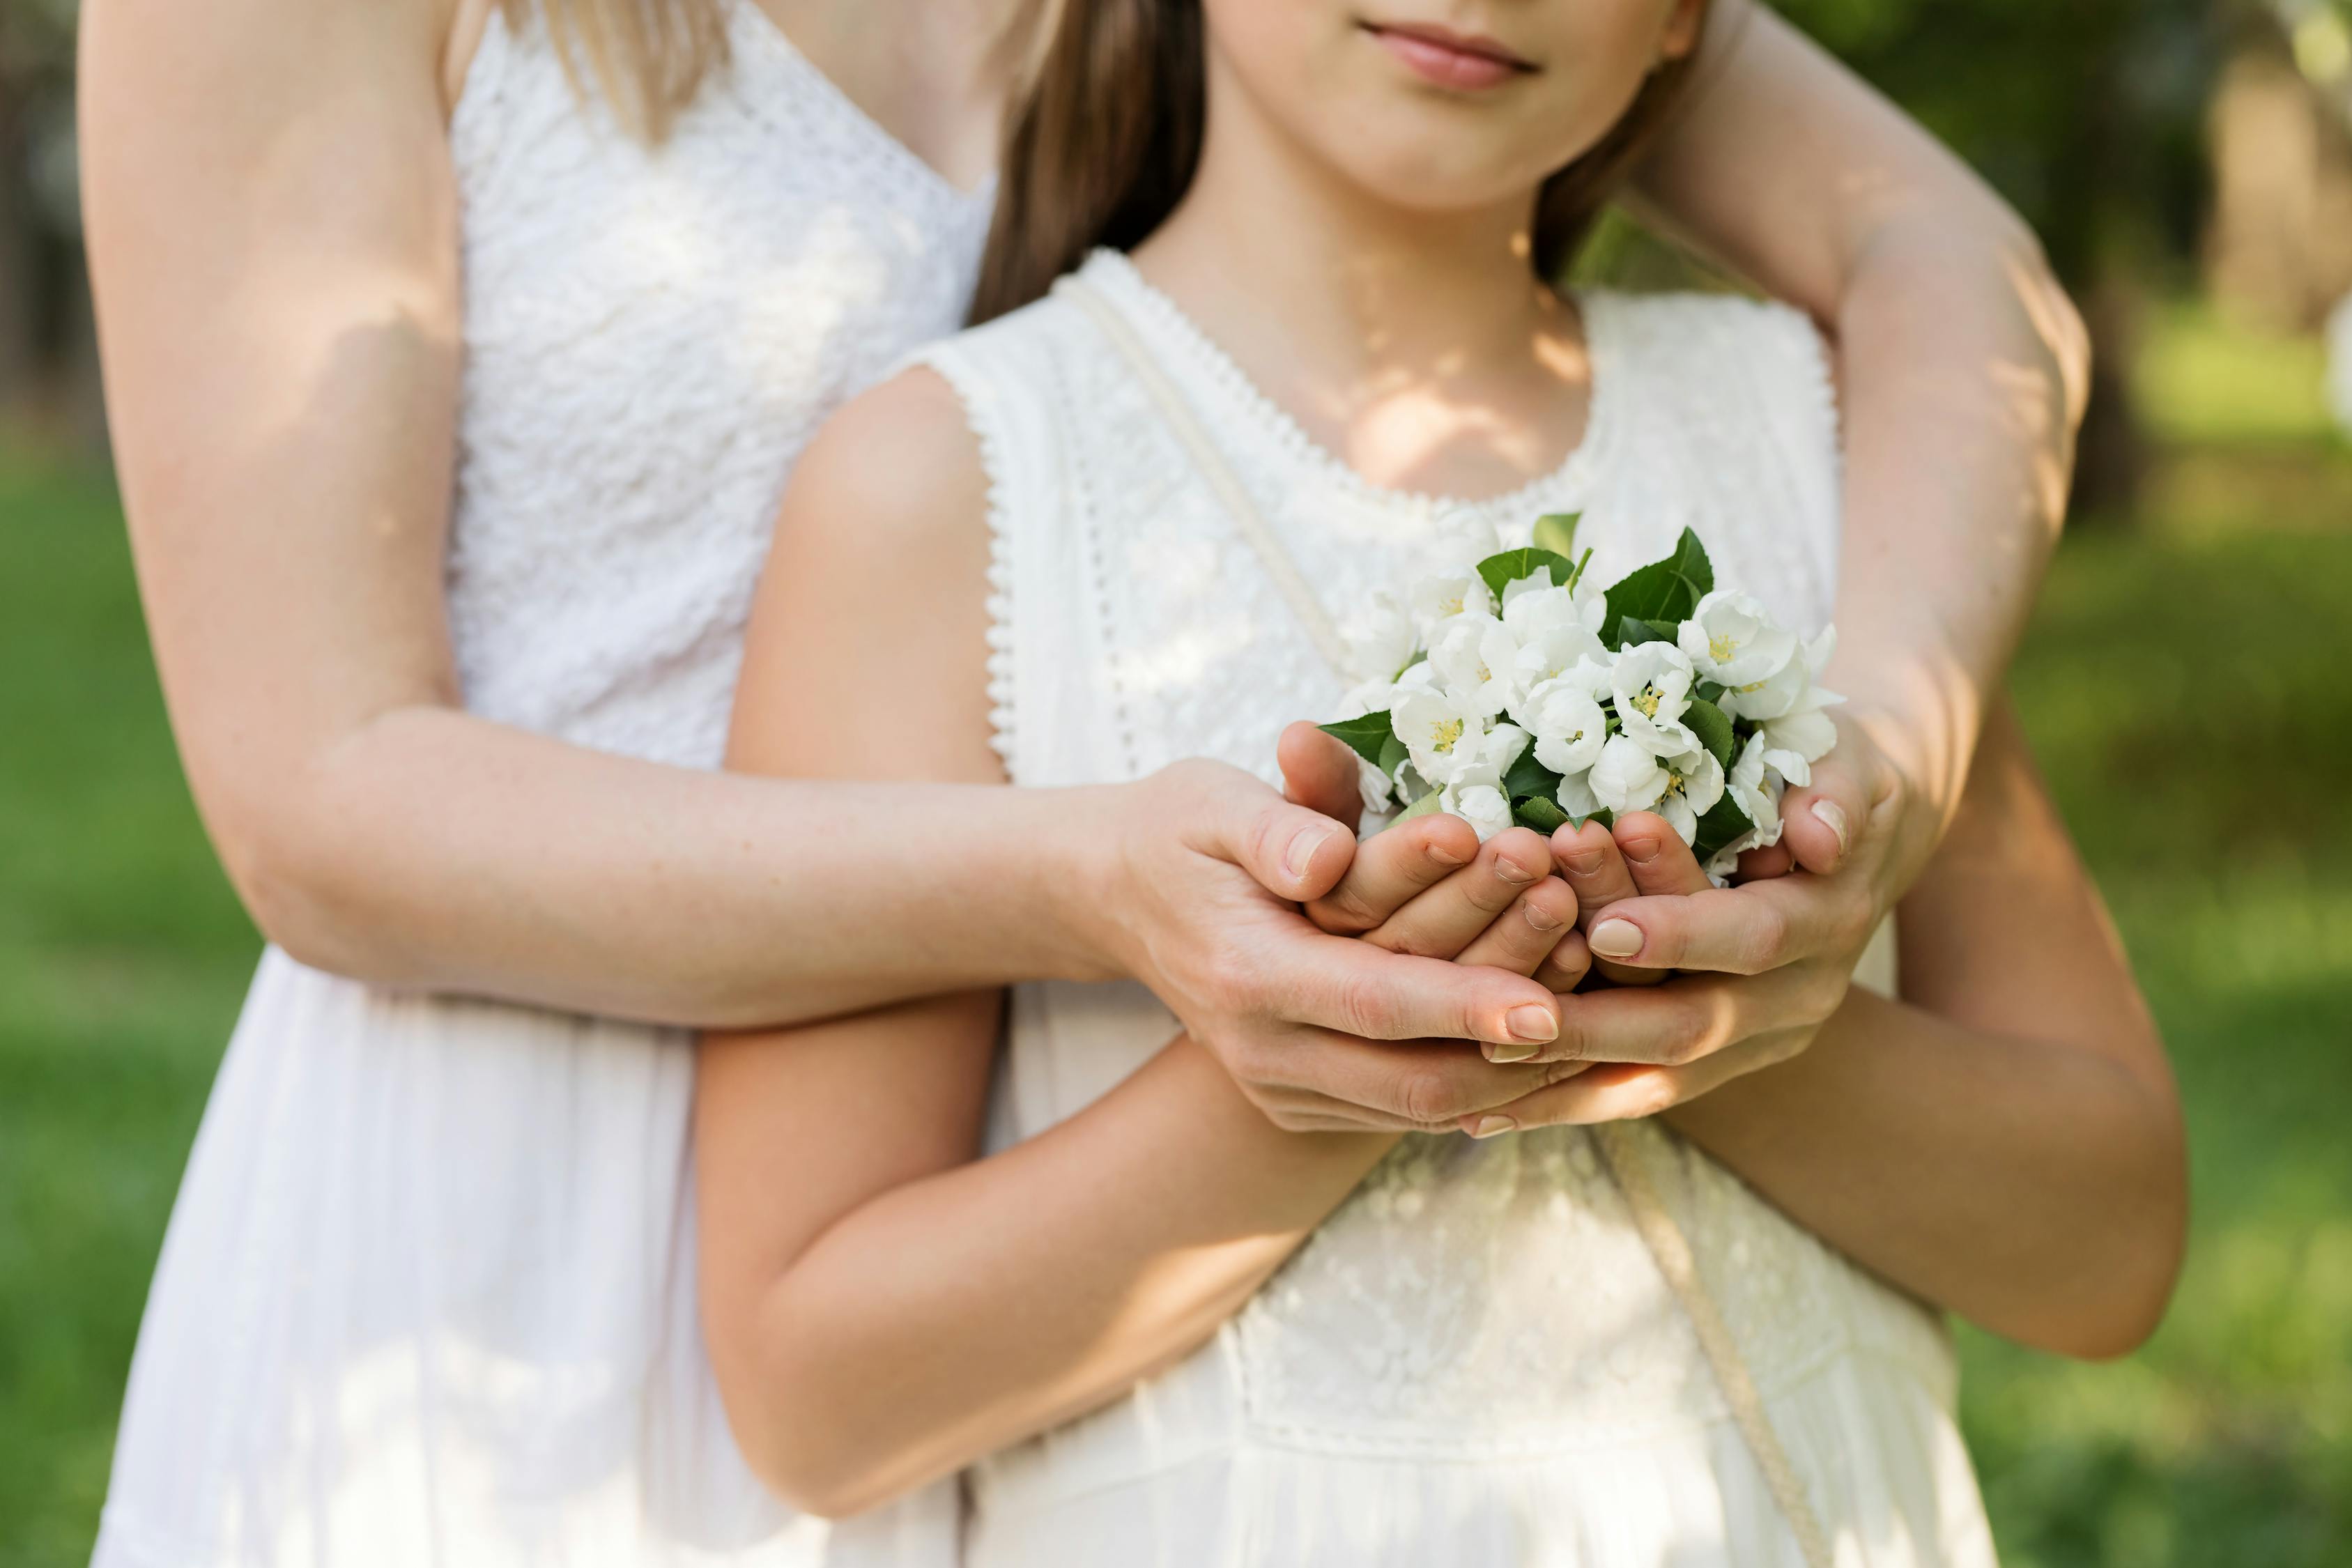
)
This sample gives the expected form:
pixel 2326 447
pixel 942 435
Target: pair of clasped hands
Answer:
pixel 1599 973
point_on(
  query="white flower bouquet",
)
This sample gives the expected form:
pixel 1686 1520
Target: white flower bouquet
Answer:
pixel 1522 694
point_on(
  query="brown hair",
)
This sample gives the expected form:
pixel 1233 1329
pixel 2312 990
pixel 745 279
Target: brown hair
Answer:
pixel 1105 139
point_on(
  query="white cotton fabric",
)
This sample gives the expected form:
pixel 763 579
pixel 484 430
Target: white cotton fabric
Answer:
pixel 427 1300
pixel 1475 1362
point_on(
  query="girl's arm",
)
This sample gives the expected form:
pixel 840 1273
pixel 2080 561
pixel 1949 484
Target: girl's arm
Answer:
pixel 273 221
pixel 2005 1142
pixel 879 1310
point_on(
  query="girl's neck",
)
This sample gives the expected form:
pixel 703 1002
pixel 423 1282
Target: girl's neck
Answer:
pixel 1422 350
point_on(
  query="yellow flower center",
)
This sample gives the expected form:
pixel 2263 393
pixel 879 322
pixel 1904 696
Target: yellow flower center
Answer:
pixel 1719 646
pixel 1647 701
pixel 1452 607
pixel 1447 734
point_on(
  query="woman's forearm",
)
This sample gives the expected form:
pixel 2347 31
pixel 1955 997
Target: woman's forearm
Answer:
pixel 434 849
pixel 1961 363
pixel 1963 368
pixel 2033 1191
pixel 974 1308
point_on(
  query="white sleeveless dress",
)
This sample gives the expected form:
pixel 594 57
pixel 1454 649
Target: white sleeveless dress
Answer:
pixel 426 1297
pixel 1475 1362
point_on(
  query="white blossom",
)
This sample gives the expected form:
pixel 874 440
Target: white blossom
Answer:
pixel 1481 805
pixel 1477 660
pixel 1780 692
pixel 1442 733
pixel 1694 784
pixel 1442 595
pixel 1566 724
pixel 1576 797
pixel 1381 637
pixel 1794 741
pixel 1651 687
pixel 1732 639
pixel 1627 776
pixel 1756 791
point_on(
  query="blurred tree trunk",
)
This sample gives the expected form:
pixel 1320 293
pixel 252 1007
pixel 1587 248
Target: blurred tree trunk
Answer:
pixel 2278 248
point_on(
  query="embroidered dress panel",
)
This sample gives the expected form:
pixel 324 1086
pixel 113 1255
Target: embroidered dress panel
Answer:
pixel 1475 1360
pixel 427 1300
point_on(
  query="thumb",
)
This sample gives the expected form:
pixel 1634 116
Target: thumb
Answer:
pixel 1319 772
pixel 1823 821
pixel 1293 851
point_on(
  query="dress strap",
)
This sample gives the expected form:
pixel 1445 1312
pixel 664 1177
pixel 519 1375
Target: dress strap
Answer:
pixel 1621 1151
pixel 1278 562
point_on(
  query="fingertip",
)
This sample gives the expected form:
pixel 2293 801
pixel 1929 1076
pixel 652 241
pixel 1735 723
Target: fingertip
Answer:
pixel 1315 853
pixel 1318 771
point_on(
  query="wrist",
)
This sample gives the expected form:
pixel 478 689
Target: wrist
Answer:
pixel 1083 884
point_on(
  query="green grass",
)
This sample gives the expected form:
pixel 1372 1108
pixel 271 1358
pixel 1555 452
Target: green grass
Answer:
pixel 2185 685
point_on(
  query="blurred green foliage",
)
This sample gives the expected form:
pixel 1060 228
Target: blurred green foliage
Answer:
pixel 2174 685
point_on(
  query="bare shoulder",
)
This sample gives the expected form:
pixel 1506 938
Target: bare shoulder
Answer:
pixel 894 470
pixel 875 598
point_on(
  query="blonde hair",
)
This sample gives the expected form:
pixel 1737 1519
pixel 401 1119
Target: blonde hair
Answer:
pixel 647 59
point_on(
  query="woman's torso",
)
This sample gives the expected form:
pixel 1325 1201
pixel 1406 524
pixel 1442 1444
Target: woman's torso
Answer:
pixel 1475 1360
pixel 428 1294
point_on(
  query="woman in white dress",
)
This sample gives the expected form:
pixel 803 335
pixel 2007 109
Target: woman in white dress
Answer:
pixel 451 407
pixel 1494 1350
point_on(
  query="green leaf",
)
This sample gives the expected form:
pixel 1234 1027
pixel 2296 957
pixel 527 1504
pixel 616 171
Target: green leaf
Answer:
pixel 1556 531
pixel 1528 776
pixel 1369 735
pixel 1721 825
pixel 1429 804
pixel 1709 691
pixel 1606 818
pixel 1539 813
pixel 1663 592
pixel 1393 755
pixel 1632 631
pixel 1501 571
pixel 1713 728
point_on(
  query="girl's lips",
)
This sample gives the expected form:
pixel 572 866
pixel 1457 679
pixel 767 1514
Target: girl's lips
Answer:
pixel 1449 60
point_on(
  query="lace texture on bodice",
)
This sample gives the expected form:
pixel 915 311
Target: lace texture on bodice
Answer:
pixel 651 335
pixel 1473 1300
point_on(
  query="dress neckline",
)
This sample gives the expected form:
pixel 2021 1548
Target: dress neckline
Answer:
pixel 754 30
pixel 1118 277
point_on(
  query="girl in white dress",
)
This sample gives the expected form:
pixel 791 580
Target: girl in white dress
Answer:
pixel 454 379
pixel 1490 1352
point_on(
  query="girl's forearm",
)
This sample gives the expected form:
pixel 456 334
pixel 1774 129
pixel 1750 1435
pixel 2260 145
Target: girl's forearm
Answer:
pixel 433 849
pixel 2031 1190
pixel 973 1309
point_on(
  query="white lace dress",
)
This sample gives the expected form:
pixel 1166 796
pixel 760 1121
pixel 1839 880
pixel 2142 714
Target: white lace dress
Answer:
pixel 426 1297
pixel 1475 1362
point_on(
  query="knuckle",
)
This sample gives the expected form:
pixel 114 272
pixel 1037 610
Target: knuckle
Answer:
pixel 1766 943
pixel 1425 1095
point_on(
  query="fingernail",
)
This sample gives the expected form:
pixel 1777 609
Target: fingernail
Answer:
pixel 1529 1022
pixel 1510 870
pixel 1641 851
pixel 1490 1126
pixel 1303 844
pixel 1583 862
pixel 1445 857
pixel 1542 919
pixel 1509 1052
pixel 1615 939
pixel 1833 817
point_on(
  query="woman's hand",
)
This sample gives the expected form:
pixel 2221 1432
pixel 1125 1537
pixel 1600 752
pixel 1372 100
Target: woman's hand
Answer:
pixel 1323 1032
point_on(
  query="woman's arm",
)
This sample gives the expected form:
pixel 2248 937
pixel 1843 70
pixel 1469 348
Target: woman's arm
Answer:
pixel 273 220
pixel 1963 368
pixel 2005 1142
pixel 880 1311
